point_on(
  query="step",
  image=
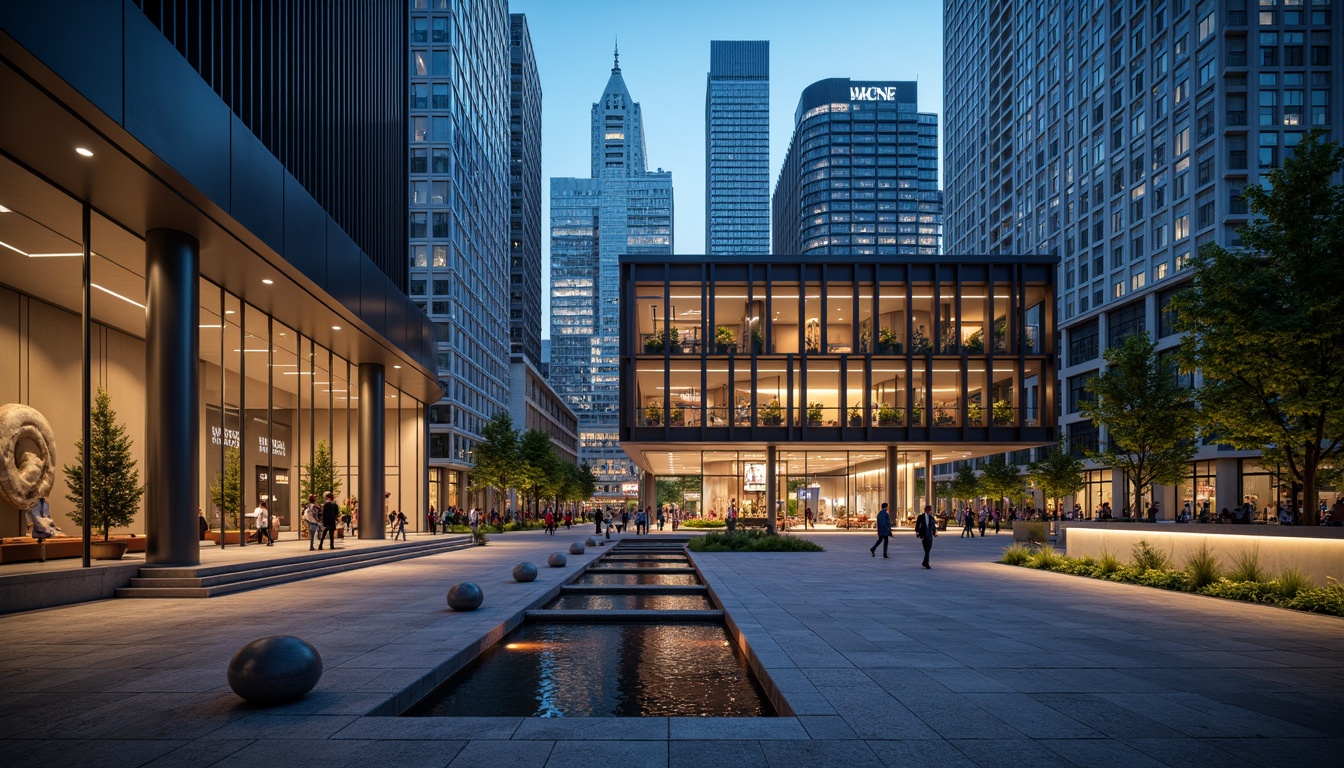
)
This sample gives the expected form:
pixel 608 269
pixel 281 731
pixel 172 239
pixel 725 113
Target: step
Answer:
pixel 201 571
pixel 609 616
pixel 634 589
pixel 269 573
pixel 622 569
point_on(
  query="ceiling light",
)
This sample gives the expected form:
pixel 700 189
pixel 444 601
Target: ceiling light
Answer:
pixel 118 295
pixel 3 209
pixel 84 152
pixel 335 327
pixel 398 367
pixel 267 281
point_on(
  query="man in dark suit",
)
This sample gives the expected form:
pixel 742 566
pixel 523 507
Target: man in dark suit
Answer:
pixel 883 531
pixel 926 528
pixel 330 511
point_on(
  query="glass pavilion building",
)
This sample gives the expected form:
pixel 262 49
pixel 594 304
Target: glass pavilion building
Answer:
pixel 840 381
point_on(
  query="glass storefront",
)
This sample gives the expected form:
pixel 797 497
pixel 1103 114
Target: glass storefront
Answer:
pixel 278 409
pixel 1097 491
pixel 1200 490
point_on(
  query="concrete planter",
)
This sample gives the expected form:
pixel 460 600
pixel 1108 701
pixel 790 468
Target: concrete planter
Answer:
pixel 107 550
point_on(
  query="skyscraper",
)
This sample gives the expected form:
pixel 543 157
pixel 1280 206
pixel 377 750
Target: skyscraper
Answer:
pixel 861 173
pixel 524 194
pixel 622 209
pixel 1119 139
pixel 459 221
pixel 737 148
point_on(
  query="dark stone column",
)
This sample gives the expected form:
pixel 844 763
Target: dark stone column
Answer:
pixel 172 397
pixel 771 492
pixel 892 495
pixel 372 467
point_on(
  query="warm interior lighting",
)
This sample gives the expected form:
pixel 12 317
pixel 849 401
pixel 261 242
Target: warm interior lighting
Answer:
pixel 3 209
pixel 81 151
pixel 267 281
pixel 335 327
pixel 117 295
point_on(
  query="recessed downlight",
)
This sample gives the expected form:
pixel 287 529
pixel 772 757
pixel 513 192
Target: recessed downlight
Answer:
pixel 335 327
pixel 267 281
pixel 82 152
pixel 398 367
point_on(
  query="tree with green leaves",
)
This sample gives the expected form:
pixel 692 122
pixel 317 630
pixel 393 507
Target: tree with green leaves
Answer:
pixel 1000 480
pixel 537 467
pixel 1151 420
pixel 319 475
pixel 226 491
pixel 1265 324
pixel 1058 474
pixel 965 483
pixel 114 481
pixel 496 456
pixel 587 482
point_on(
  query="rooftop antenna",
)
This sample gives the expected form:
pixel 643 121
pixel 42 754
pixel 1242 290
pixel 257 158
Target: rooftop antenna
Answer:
pixel 616 64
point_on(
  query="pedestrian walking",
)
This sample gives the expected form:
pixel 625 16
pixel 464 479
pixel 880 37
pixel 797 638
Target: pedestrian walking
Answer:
pixel 263 516
pixel 925 530
pixel 398 525
pixel 549 519
pixel 433 520
pixel 330 511
pixel 312 515
pixel 883 531
pixel 597 521
pixel 968 524
pixel 984 520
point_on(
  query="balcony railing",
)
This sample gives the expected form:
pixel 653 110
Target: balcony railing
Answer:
pixel 1236 58
pixel 1236 159
pixel 1236 118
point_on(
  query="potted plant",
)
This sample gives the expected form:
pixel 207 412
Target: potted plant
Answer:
pixel 114 481
pixel 917 416
pixel 724 342
pixel 975 415
pixel 1002 412
pixel 887 416
pixel 855 417
pixel 772 415
pixel 757 340
pixel 653 343
pixel 887 343
pixel 814 414
pixel 919 343
pixel 865 340
pixel 1000 332
pixel 653 414
pixel 975 343
pixel 813 335
pixel 673 340
pixel 226 492
pixel 943 418
pixel 318 476
pixel 678 416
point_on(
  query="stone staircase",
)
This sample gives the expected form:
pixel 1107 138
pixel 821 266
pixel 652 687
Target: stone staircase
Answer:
pixel 215 580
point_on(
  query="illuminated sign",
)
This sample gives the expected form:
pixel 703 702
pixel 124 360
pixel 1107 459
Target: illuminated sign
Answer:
pixel 872 93
pixel 753 478
pixel 630 489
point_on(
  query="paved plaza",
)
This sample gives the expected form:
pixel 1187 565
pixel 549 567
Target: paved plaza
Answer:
pixel 882 662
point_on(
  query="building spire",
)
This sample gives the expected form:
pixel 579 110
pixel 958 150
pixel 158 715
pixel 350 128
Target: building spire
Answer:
pixel 616 63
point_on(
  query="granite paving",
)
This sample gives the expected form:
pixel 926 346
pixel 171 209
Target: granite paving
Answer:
pixel 879 662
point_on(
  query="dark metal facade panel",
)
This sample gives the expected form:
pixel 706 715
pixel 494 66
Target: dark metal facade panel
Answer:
pixel 94 66
pixel 258 188
pixel 323 86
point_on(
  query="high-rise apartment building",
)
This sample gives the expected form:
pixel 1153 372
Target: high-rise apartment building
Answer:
pixel 1119 137
pixel 524 194
pixel 621 209
pixel 861 173
pixel 737 148
pixel 459 220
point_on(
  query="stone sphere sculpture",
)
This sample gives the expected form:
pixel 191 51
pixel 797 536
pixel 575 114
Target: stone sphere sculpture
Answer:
pixel 27 456
pixel 591 542
pixel 465 597
pixel 557 560
pixel 576 548
pixel 275 670
pixel 524 572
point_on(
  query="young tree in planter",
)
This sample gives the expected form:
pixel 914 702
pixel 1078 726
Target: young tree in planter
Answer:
pixel 965 484
pixel 319 476
pixel 114 482
pixel 226 492
pixel 537 465
pixel 1265 325
pixel 1058 474
pixel 1000 480
pixel 1150 419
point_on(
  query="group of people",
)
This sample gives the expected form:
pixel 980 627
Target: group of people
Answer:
pixel 926 528
pixel 322 520
pixel 553 521
pixel 971 520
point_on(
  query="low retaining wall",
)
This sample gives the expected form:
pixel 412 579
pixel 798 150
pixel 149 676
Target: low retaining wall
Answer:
pixel 1318 552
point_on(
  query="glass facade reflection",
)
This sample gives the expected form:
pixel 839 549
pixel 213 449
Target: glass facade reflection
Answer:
pixel 737 148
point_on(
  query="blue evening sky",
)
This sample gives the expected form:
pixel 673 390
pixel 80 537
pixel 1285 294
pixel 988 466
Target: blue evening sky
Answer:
pixel 665 58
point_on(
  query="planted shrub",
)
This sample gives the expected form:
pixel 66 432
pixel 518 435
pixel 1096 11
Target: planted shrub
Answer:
pixel 1045 559
pixel 1107 564
pixel 1203 568
pixel 697 522
pixel 1291 582
pixel 1253 591
pixel 1016 554
pixel 1150 558
pixel 1319 600
pixel 751 541
pixel 1246 567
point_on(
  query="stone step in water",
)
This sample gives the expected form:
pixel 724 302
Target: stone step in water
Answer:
pixel 610 617
pixel 634 589
pixel 626 569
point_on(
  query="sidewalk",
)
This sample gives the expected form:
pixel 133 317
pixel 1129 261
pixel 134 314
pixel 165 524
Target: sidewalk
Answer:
pixel 884 663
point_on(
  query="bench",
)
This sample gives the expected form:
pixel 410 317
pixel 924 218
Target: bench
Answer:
pixel 25 549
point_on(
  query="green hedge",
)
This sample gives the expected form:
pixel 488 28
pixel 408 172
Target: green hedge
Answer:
pixel 697 522
pixel 751 541
pixel 1286 592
